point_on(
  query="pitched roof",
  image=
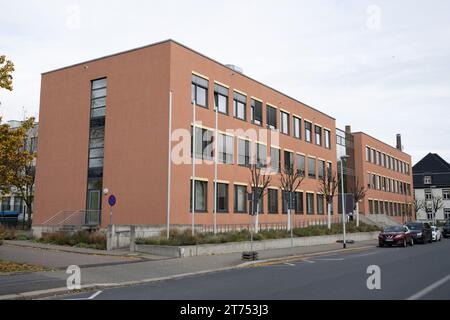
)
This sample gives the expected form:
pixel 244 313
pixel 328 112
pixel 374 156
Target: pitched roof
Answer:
pixel 432 163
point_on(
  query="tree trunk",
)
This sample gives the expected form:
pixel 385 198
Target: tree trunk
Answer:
pixel 329 216
pixel 257 218
pixel 289 219
pixel 357 214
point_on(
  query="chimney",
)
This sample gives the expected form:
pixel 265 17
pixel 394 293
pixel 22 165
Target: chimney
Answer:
pixel 348 129
pixel 399 142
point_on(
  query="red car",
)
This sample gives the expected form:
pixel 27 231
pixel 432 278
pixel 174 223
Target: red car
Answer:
pixel 396 236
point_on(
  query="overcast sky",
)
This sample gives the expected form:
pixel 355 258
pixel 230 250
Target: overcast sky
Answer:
pixel 381 66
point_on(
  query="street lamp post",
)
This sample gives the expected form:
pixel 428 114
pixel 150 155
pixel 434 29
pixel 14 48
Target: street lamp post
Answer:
pixel 344 243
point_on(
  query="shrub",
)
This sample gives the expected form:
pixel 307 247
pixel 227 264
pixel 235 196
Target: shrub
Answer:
pixel 7 234
pixel 82 239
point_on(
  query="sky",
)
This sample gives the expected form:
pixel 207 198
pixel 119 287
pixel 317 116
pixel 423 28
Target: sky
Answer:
pixel 382 67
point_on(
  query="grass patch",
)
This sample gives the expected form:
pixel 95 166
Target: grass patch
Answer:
pixel 12 267
pixel 81 239
pixel 185 238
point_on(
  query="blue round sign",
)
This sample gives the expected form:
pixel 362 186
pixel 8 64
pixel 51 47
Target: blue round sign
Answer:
pixel 112 200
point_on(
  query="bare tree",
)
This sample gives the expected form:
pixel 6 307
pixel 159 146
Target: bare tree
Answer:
pixel 328 186
pixel 260 181
pixel 359 193
pixel 417 206
pixel 291 180
pixel 436 204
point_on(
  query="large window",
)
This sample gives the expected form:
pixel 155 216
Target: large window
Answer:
pixel 284 122
pixel 297 123
pixel 310 203
pixel 243 152
pixel 240 105
pixel 256 112
pixel 200 91
pixel 301 165
pixel 370 206
pixel 312 168
pixel 299 203
pixel 376 207
pixel 226 147
pixel 288 161
pixel 321 169
pixel 320 206
pixel 271 117
pixel 221 98
pixel 98 98
pixel 240 199
pixel 318 135
pixel 222 197
pixel 367 154
pixel 275 160
pixel 308 131
pixel 201 196
pixel 203 144
pixel 261 155
pixel 273 201
pixel 327 139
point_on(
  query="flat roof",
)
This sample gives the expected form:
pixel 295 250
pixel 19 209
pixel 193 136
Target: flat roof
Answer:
pixel 196 52
pixel 386 144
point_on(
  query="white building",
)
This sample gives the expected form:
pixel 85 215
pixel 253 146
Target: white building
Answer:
pixel 432 180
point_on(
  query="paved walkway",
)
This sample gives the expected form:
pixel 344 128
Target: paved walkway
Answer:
pixel 147 270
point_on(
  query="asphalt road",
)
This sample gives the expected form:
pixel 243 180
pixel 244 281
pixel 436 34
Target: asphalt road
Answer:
pixel 419 272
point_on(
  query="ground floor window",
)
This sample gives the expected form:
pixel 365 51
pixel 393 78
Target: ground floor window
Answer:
pixel 386 208
pixel 447 214
pixel 201 196
pixel 273 201
pixel 222 197
pixel 370 207
pixel 376 211
pixel 299 203
pixel 320 207
pixel 310 203
pixel 381 207
pixel 240 199
pixel 260 202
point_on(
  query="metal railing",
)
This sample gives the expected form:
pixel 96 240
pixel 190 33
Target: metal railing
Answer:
pixel 75 219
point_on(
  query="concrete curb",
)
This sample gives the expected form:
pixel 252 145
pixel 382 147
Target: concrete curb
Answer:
pixel 90 287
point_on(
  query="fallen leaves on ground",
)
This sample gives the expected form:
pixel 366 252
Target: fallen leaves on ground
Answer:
pixel 11 267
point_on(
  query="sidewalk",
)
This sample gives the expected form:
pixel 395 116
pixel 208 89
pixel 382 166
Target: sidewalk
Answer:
pixel 146 271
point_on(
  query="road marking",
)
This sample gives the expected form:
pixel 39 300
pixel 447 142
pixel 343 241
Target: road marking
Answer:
pixel 289 264
pixel 331 259
pixel 363 255
pixel 95 295
pixel 309 261
pixel 428 289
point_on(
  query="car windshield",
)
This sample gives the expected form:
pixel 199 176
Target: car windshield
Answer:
pixel 415 226
pixel 393 229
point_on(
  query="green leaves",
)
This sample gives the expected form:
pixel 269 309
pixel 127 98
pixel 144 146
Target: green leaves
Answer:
pixel 6 68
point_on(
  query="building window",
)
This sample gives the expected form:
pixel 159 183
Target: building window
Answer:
pixel 299 203
pixel 273 201
pixel 318 135
pixel 321 169
pixel 386 208
pixel 275 155
pixel 428 195
pixel 221 98
pixel 301 165
pixel 284 122
pixel 376 207
pixel 367 154
pixel 203 144
pixel 288 161
pixel 256 112
pixel 243 152
pixel 327 139
pixel 378 158
pixel 201 196
pixel 312 168
pixel 271 117
pixel 200 91
pixel 226 147
pixel 369 180
pixel 310 203
pixel 240 105
pixel 240 199
pixel 261 155
pixel 6 204
pixel 370 207
pixel 447 214
pixel 320 201
pixel 388 185
pixel 446 194
pixel 373 156
pixel 383 160
pixel 427 180
pixel 308 131
pixel 378 183
pixel 374 181
pixel 260 205
pixel 297 127
pixel 381 207
pixel 383 184
pixel 222 198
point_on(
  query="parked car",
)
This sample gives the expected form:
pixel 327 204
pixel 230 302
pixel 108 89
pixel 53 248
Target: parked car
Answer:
pixel 436 233
pixel 396 236
pixel 446 230
pixel 421 232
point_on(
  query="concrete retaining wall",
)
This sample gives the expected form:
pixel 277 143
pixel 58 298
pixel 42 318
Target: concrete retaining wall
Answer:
pixel 217 249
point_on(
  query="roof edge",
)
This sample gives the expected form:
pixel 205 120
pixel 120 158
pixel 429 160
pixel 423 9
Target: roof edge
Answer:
pixel 392 147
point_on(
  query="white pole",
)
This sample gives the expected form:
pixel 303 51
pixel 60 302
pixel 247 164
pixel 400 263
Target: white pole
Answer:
pixel 257 217
pixel 194 147
pixel 357 214
pixel 289 219
pixel 216 160
pixel 343 203
pixel 329 216
pixel 169 165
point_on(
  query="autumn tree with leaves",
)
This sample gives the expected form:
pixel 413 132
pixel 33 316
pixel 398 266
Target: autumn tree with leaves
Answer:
pixel 6 69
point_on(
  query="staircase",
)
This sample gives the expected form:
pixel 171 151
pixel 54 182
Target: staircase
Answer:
pixel 379 220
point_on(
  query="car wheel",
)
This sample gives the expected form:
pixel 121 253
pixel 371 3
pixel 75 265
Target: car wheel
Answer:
pixel 381 245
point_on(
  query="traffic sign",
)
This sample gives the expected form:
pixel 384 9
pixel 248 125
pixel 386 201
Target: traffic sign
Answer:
pixel 112 200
